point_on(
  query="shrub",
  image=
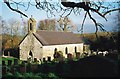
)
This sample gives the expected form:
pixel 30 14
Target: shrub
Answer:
pixel 8 75
pixel 18 75
pixel 52 76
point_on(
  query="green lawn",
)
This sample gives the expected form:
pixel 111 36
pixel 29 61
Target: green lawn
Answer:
pixel 6 59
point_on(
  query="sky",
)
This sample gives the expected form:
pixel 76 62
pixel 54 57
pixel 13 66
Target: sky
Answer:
pixel 89 27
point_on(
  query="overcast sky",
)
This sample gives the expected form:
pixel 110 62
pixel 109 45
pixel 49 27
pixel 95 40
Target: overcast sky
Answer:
pixel 89 27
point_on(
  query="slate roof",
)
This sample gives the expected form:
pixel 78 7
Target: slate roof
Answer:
pixel 57 38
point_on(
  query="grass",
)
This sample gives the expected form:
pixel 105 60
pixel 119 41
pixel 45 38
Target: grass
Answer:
pixel 8 58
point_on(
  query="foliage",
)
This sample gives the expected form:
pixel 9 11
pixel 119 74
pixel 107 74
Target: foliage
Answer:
pixel 65 24
pixel 47 24
pixel 18 75
pixel 8 75
pixel 30 75
pixel 58 56
pixel 8 58
pixel 9 41
pixel 104 41
pixel 52 76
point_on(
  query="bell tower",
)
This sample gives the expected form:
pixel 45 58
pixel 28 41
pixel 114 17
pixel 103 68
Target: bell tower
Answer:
pixel 31 25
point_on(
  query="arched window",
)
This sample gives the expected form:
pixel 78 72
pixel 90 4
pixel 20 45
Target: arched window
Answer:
pixel 55 50
pixel 31 26
pixel 75 49
pixel 66 50
pixel 55 53
pixel 30 53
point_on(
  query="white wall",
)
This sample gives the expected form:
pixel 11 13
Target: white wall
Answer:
pixel 49 50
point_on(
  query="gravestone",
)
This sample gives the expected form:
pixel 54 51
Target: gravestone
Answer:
pixel 23 67
pixel 4 70
pixel 49 59
pixel 44 60
pixel 77 55
pixel 69 56
pixel 15 61
pixel 34 68
pixel 3 63
pixel 9 62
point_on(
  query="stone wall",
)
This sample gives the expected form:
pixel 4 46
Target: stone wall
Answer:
pixel 30 43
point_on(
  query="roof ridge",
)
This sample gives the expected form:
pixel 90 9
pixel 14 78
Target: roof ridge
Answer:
pixel 52 31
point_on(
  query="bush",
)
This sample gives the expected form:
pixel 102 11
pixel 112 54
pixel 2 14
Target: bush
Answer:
pixel 18 75
pixel 52 76
pixel 8 75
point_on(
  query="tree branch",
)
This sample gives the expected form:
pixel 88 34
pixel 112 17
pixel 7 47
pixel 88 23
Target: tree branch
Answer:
pixel 110 11
pixel 16 10
pixel 94 22
pixel 83 22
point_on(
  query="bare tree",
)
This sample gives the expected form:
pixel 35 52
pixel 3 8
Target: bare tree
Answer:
pixel 24 29
pixel 14 25
pixel 116 27
pixel 66 8
pixel 47 24
pixel 65 24
pixel 4 26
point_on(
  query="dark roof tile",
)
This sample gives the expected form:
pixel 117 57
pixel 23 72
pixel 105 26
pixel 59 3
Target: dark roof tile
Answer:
pixel 57 38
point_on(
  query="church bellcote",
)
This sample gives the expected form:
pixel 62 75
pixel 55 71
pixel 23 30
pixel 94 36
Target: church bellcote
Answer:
pixel 31 25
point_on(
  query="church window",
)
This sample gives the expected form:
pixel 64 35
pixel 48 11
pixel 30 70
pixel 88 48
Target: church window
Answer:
pixel 55 50
pixel 75 49
pixel 66 50
pixel 31 26
pixel 30 53
pixel 44 59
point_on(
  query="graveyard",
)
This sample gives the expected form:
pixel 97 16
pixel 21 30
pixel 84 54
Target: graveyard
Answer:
pixel 59 39
pixel 88 66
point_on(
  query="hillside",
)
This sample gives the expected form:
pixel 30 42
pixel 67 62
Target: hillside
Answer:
pixel 92 36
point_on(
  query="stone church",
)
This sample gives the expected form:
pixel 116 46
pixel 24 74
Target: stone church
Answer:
pixel 42 44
